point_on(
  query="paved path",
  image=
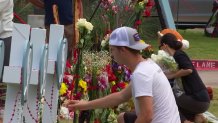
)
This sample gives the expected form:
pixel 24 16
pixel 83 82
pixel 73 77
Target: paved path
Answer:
pixel 210 78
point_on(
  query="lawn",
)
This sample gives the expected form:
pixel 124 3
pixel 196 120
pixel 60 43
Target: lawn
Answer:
pixel 201 47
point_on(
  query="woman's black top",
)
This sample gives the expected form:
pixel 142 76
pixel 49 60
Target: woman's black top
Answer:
pixel 192 83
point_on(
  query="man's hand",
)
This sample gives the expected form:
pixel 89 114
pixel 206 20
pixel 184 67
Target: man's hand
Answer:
pixel 73 105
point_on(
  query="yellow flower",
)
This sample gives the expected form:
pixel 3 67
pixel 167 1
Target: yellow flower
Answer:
pixel 63 89
pixel 83 85
pixel 141 3
pixel 113 83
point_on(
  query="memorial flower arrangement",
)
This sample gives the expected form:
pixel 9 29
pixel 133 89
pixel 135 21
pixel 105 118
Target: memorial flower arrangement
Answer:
pixel 101 77
pixel 91 76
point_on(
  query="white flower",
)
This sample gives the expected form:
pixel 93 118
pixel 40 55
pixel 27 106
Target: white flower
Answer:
pixel 154 57
pixel 82 41
pixel 185 44
pixel 64 112
pixel 83 23
pixel 163 53
pixel 89 26
pixel 103 43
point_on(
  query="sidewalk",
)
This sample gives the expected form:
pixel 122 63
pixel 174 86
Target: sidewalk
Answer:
pixel 210 78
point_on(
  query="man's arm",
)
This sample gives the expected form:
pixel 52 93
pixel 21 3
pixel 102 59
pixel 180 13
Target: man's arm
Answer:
pixel 145 109
pixel 37 3
pixel 107 101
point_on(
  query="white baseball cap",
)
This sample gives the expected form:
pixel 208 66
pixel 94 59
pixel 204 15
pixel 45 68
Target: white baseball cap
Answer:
pixel 126 36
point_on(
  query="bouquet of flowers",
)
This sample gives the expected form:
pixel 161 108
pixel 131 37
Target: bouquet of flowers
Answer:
pixel 168 64
pixel 165 61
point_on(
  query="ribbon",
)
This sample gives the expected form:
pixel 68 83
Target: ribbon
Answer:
pixel 26 71
pixel 61 61
pixel 2 54
pixel 43 69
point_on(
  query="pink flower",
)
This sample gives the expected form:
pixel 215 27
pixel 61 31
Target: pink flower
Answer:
pixel 71 114
pixel 115 9
pixel 111 1
pixel 126 8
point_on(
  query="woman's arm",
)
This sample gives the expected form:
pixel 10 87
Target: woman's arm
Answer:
pixel 179 73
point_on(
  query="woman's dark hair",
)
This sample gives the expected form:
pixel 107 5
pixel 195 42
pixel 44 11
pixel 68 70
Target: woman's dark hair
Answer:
pixel 171 41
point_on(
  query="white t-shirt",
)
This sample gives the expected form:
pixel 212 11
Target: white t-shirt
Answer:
pixel 6 16
pixel 149 80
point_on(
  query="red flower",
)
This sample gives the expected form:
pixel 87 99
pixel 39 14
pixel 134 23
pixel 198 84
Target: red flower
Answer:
pixel 108 31
pixel 68 65
pixel 97 121
pixel 77 96
pixel 149 4
pixel 75 55
pixel 210 92
pixel 147 13
pixel 114 89
pixel 121 85
pixel 65 79
pixel 138 22
pixel 111 77
pixel 66 73
pixel 71 86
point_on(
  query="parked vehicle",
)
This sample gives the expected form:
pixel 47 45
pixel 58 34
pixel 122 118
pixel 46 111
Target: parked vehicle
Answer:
pixel 191 13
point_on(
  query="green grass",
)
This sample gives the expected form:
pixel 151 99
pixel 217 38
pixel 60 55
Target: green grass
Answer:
pixel 214 103
pixel 201 47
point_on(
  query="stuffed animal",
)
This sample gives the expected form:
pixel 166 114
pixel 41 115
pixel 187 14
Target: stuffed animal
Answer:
pixel 178 36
